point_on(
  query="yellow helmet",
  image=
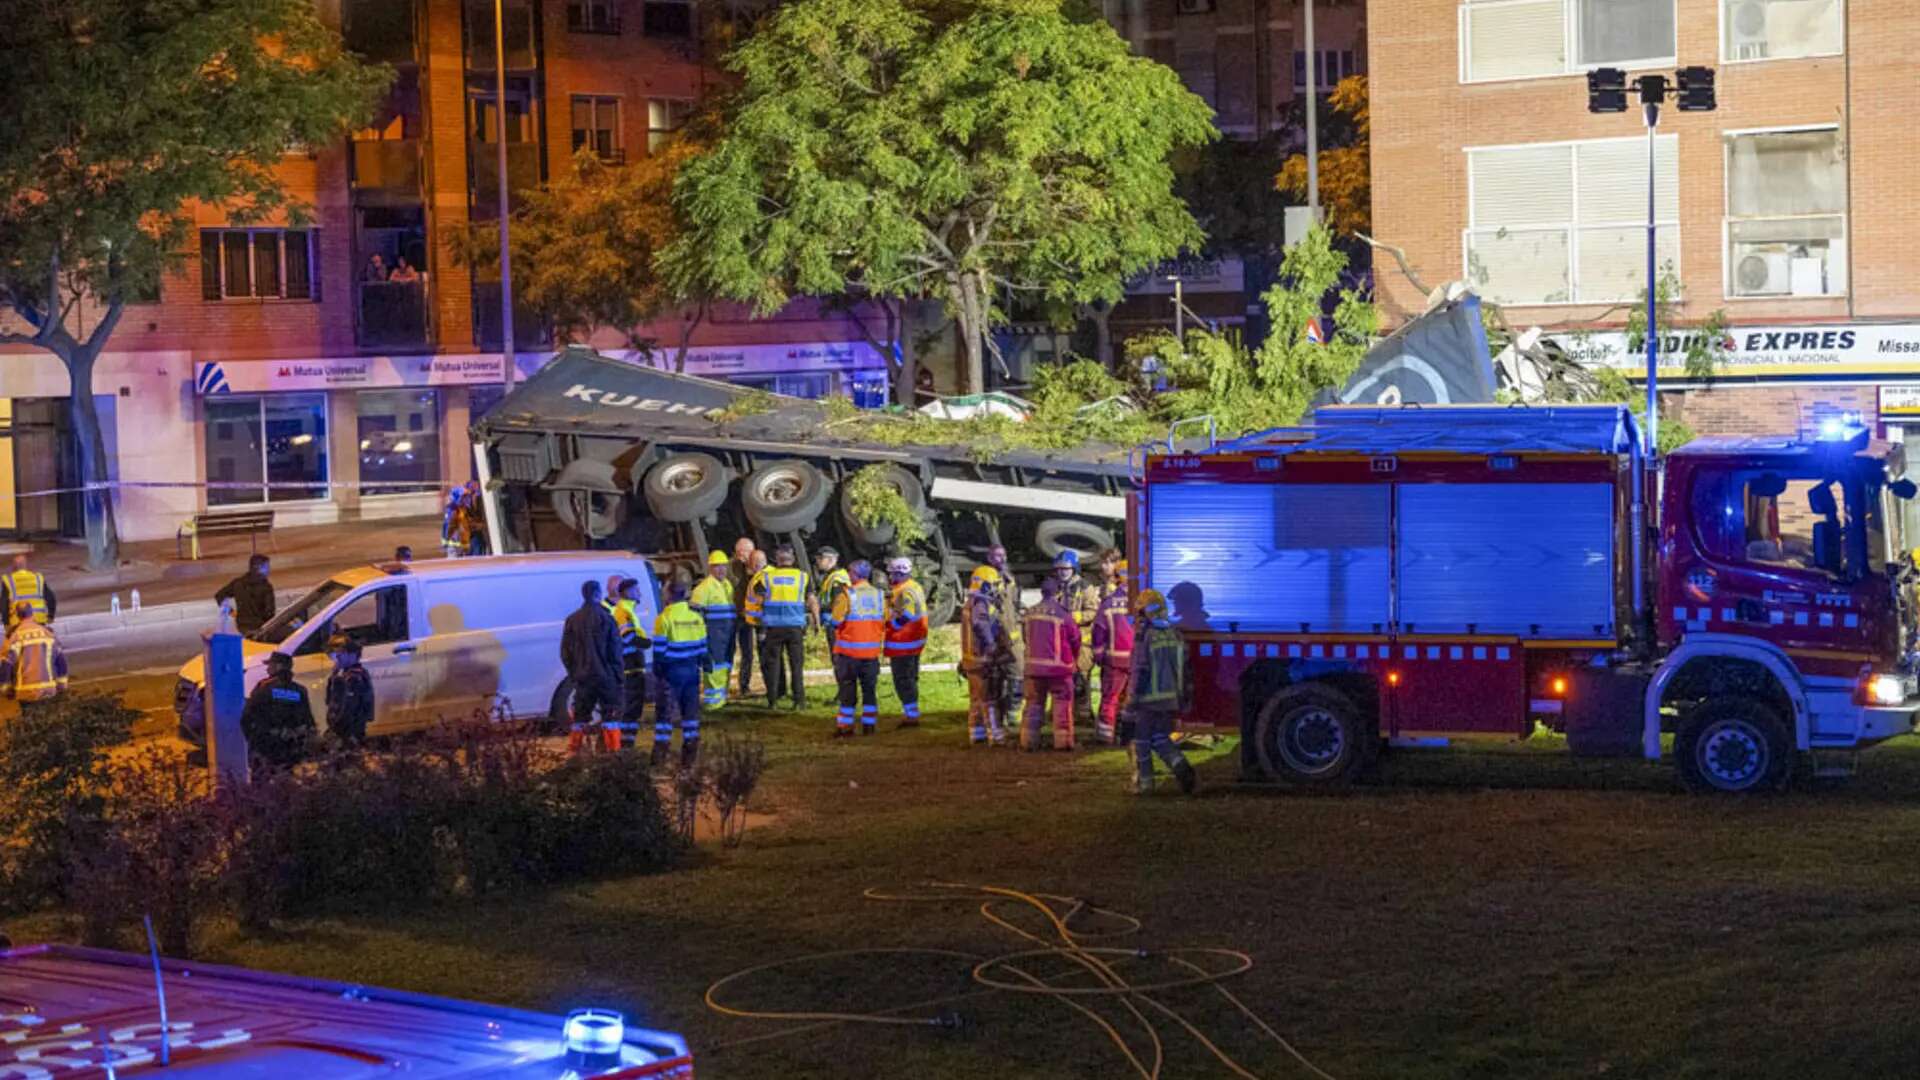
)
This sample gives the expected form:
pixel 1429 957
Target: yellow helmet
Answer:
pixel 984 576
pixel 718 558
pixel 1150 603
pixel 1120 567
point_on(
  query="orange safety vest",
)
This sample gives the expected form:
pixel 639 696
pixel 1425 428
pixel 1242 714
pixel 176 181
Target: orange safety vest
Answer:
pixel 906 619
pixel 755 604
pixel 37 671
pixel 860 633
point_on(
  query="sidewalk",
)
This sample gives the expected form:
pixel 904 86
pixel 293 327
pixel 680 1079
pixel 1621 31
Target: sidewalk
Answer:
pixel 302 557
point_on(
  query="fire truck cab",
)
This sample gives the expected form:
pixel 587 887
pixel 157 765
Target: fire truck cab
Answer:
pixel 1413 573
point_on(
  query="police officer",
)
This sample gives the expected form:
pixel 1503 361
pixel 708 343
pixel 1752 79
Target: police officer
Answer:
pixel 349 694
pixel 252 595
pixel 906 636
pixel 859 614
pixel 834 580
pixel 25 585
pixel 278 718
pixel 1161 687
pixel 787 608
pixel 683 661
pixel 713 599
pixel 590 652
pixel 634 644
pixel 33 669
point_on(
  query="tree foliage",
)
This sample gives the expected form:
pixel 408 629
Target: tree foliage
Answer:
pixel 916 148
pixel 1346 168
pixel 121 112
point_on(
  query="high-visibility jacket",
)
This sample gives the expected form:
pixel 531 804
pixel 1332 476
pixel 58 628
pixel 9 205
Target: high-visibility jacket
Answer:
pixel 1053 641
pixel 835 583
pixel 859 617
pixel 785 592
pixel 34 668
pixel 682 634
pixel 753 607
pixel 633 637
pixel 31 587
pixel 1113 632
pixel 1159 666
pixel 713 599
pixel 906 619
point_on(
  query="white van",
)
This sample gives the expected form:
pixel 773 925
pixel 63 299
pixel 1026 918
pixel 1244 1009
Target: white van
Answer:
pixel 446 639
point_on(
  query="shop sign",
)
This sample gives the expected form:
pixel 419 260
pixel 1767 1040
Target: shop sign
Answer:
pixel 1900 400
pixel 1196 276
pixel 723 360
pixel 353 373
pixel 1845 349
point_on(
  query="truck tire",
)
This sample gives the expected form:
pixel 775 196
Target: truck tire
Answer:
pixel 595 515
pixel 684 487
pixel 1312 734
pixel 1734 746
pixel 943 600
pixel 786 496
pixel 873 539
pixel 559 709
pixel 1083 538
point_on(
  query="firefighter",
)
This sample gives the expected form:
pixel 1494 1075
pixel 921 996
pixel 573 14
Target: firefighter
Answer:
pixel 1113 651
pixel 590 652
pixel 1082 601
pixel 682 665
pixel 33 669
pixel 473 520
pixel 278 718
pixel 1008 590
pixel 787 608
pixel 634 644
pixel 450 523
pixel 986 659
pixel 27 585
pixel 713 599
pixel 1052 651
pixel 906 636
pixel 349 696
pixel 834 580
pixel 859 615
pixel 1160 688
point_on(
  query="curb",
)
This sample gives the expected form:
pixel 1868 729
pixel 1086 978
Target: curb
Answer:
pixel 105 622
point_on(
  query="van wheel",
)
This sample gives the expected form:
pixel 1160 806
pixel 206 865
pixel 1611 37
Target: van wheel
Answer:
pixel 1084 539
pixel 1312 734
pixel 560 709
pixel 1737 746
pixel 684 487
pixel 785 496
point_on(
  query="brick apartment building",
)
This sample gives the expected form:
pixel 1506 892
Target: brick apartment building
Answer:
pixel 1793 208
pixel 277 369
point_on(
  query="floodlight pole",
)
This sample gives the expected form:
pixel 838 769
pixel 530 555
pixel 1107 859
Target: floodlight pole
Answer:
pixel 1652 112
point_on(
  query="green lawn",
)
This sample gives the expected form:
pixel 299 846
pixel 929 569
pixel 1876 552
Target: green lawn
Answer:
pixel 1486 912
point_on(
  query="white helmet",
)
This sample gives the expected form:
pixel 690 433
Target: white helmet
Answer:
pixel 901 565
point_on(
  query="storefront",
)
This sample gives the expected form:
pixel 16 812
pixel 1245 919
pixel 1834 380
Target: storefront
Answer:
pixel 814 369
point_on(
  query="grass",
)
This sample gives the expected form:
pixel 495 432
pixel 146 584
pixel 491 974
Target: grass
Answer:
pixel 1486 912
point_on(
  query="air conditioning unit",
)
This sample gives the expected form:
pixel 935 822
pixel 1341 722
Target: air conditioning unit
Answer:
pixel 1195 7
pixel 1766 274
pixel 1747 30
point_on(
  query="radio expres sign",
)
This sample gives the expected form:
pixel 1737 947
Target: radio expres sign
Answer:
pixel 1746 350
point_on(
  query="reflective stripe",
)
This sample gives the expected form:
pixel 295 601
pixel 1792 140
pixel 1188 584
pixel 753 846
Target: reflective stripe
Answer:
pixel 786 596
pixel 713 599
pixel 836 580
pixel 906 619
pixel 1166 665
pixel 860 636
pixel 682 633
pixel 1046 635
pixel 31 587
pixel 36 673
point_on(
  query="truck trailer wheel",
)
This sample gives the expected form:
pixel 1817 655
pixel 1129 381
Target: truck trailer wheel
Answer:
pixel 684 487
pixel 786 496
pixel 873 539
pixel 1084 539
pixel 1312 734
pixel 1735 746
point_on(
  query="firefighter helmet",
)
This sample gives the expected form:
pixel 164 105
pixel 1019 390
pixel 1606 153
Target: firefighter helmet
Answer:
pixel 1067 557
pixel 902 566
pixel 1150 603
pixel 984 578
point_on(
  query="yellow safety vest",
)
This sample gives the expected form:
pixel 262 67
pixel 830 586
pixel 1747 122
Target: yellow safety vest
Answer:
pixel 36 672
pixel 713 598
pixel 31 587
pixel 786 596
pixel 756 601
pixel 682 633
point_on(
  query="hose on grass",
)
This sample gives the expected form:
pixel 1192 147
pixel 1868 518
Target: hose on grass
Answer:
pixel 1095 971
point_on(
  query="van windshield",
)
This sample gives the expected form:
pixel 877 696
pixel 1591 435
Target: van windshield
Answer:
pixel 300 613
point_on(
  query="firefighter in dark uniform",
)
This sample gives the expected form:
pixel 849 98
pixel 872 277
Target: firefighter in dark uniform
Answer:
pixel 278 718
pixel 349 693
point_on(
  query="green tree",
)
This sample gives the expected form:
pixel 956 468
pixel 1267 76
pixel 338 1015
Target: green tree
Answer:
pixel 118 113
pixel 920 148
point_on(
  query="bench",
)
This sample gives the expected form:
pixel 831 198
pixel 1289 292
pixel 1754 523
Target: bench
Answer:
pixel 224 523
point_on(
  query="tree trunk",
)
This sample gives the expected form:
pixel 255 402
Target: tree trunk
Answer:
pixel 687 326
pixel 1102 317
pixel 103 534
pixel 972 317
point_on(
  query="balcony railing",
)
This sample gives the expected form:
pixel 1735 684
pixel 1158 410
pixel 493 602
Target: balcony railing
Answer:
pixel 592 19
pixel 523 172
pixel 387 165
pixel 393 314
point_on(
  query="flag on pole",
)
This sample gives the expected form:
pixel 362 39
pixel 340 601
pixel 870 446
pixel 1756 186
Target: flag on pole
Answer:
pixel 1315 333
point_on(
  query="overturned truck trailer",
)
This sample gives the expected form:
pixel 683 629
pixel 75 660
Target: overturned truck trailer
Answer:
pixel 600 453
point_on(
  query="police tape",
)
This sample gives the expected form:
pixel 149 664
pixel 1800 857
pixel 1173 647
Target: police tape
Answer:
pixel 414 487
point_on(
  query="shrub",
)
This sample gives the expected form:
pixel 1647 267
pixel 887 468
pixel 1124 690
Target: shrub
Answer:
pixel 733 769
pixel 158 850
pixel 54 770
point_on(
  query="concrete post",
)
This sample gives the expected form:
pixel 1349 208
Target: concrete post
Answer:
pixel 225 696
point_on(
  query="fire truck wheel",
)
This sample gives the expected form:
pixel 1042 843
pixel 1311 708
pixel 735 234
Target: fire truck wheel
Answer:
pixel 1312 734
pixel 785 496
pixel 1734 747
pixel 685 487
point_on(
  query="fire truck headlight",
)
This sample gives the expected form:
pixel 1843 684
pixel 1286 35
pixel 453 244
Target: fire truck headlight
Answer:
pixel 1886 689
pixel 595 1033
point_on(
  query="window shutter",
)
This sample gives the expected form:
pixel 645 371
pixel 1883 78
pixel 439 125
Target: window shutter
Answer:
pixel 1513 39
pixel 209 265
pixel 1522 186
pixel 300 284
pixel 1612 177
pixel 1625 32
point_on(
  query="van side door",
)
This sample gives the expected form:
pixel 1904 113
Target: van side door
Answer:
pixel 380 618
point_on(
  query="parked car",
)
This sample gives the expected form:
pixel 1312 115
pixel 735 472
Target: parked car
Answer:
pixel 442 639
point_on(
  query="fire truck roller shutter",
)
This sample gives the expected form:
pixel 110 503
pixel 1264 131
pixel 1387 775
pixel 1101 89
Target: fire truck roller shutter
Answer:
pixel 1464 548
pixel 1272 556
pixel 785 496
pixel 873 539
pixel 686 486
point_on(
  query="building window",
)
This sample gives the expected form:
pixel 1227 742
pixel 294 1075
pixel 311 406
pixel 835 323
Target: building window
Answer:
pixel 1522 39
pixel 399 441
pixel 664 117
pixel 1566 222
pixel 1786 214
pixel 593 16
pixel 1195 7
pixel 596 126
pixel 667 18
pixel 257 263
pixel 1330 67
pixel 266 449
pixel 1781 29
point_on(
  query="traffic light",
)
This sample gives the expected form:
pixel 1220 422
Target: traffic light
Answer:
pixel 1606 90
pixel 1696 89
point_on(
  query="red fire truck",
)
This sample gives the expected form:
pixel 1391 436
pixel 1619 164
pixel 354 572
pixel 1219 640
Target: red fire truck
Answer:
pixel 1402 574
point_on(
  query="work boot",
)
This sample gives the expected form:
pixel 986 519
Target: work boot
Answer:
pixel 1183 772
pixel 1140 784
pixel 658 759
pixel 689 750
pixel 867 729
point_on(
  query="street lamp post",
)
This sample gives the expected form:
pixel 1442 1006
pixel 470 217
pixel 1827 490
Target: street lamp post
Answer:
pixel 1313 117
pixel 1693 92
pixel 500 139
